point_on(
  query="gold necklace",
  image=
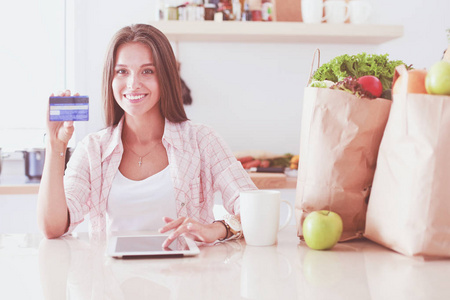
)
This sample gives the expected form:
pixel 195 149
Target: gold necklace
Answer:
pixel 141 157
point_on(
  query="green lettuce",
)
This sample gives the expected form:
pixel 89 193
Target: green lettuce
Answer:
pixel 321 84
pixel 359 65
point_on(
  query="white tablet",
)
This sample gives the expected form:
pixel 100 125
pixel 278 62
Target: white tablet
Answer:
pixel 150 246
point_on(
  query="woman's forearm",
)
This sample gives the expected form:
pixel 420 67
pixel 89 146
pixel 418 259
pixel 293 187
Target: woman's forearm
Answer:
pixel 52 211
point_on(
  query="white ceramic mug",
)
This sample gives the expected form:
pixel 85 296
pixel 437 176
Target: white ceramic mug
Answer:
pixel 336 11
pixel 260 216
pixel 312 11
pixel 359 11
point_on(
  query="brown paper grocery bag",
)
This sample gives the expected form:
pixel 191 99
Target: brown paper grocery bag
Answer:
pixel 409 207
pixel 339 141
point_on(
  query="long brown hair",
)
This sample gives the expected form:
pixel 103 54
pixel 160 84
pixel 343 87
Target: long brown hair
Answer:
pixel 171 103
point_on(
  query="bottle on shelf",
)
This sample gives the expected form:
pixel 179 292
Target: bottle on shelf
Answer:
pixel 161 10
pixel 237 10
pixel 195 10
pixel 246 13
pixel 226 7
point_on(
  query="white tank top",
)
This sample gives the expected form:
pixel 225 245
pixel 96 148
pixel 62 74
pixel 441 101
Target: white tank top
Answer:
pixel 140 205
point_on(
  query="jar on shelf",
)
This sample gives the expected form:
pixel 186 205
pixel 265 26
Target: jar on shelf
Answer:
pixel 210 10
pixel 255 9
pixel 172 13
pixel 169 10
pixel 267 10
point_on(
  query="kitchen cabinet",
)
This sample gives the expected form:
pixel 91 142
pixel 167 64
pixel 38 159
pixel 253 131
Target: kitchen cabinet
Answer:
pixel 277 32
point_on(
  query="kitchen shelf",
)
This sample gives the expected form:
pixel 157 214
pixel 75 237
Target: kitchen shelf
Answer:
pixel 277 32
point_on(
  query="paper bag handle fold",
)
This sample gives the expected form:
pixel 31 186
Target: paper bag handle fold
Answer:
pixel 401 70
pixel 317 51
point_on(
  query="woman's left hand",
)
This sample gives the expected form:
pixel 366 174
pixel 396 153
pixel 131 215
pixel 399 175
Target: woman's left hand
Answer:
pixel 192 229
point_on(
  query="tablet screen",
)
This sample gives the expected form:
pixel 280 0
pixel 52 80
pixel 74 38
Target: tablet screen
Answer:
pixel 148 243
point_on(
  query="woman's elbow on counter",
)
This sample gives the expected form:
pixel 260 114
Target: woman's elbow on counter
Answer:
pixel 52 231
pixel 51 235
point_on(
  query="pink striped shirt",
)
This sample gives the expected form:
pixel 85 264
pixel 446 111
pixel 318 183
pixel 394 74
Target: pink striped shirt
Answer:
pixel 200 162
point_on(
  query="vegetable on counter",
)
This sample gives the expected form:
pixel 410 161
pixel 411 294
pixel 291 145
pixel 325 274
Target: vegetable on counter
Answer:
pixel 252 164
pixel 245 159
pixel 294 162
pixel 357 66
pixel 248 161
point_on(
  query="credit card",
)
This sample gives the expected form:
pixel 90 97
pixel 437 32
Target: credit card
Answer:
pixel 73 108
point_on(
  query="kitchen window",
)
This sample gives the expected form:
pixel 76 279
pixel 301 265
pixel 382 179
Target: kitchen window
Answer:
pixel 32 56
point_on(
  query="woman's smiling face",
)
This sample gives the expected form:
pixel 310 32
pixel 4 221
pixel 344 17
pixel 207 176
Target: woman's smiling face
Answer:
pixel 135 84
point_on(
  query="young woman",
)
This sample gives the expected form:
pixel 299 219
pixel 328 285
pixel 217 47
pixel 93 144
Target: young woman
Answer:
pixel 151 168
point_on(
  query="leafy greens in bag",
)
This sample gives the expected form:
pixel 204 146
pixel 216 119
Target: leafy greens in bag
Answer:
pixel 351 85
pixel 359 65
pixel 321 84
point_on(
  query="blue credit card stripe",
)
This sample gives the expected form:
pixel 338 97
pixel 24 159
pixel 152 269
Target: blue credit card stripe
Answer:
pixel 70 100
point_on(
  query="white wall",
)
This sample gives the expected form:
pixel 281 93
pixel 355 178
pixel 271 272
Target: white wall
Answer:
pixel 424 21
pixel 32 60
pixel 251 93
pixel 93 24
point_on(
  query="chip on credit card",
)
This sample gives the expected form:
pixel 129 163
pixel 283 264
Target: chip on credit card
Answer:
pixel 71 108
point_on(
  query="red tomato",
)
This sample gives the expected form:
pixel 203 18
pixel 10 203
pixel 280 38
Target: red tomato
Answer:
pixel 371 84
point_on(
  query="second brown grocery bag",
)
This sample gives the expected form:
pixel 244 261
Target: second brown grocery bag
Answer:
pixel 339 141
pixel 409 208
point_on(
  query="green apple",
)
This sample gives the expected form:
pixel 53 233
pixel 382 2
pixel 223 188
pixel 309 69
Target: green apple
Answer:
pixel 322 229
pixel 437 80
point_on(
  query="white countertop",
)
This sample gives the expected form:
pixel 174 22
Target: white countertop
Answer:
pixel 75 267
